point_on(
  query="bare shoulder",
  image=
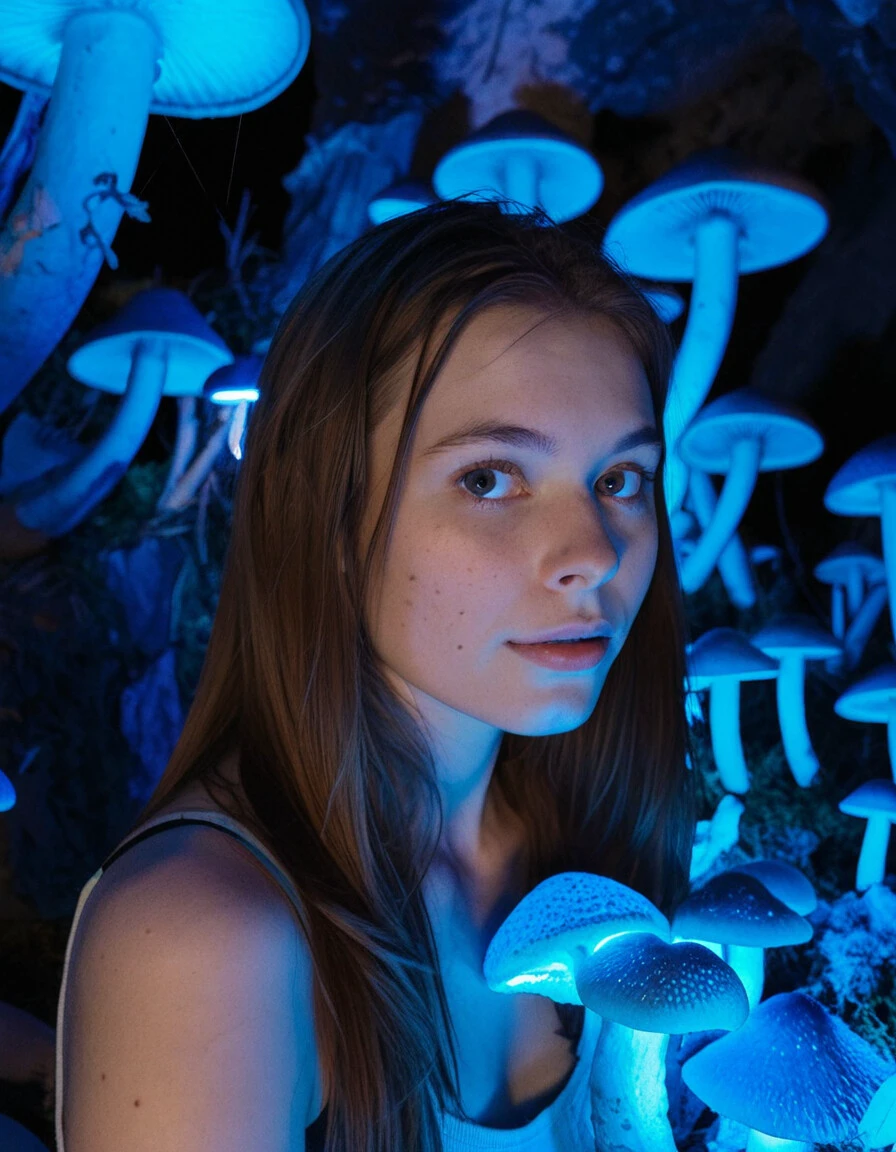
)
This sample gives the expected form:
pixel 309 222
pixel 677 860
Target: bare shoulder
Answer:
pixel 175 1034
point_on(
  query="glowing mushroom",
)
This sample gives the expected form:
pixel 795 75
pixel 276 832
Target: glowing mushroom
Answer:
pixel 875 801
pixel 235 385
pixel 399 199
pixel 719 660
pixel 850 570
pixel 711 219
pixel 158 344
pixel 733 563
pixel 792 640
pixel 785 883
pixel 522 158
pixel 872 700
pixel 741 434
pixel 107 66
pixel 866 486
pixel 795 1075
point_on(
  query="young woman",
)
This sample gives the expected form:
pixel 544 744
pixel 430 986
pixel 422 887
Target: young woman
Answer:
pixel 456 453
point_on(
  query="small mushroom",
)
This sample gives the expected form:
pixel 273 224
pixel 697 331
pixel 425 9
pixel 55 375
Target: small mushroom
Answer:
pixel 850 570
pixel 872 700
pixel 875 800
pixel 399 199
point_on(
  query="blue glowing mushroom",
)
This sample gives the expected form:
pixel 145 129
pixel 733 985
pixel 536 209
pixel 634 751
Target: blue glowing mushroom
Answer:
pixel 709 220
pixel 785 882
pixel 874 801
pixel 236 386
pixel 720 660
pixel 526 160
pixel 794 1074
pixel 734 562
pixel 399 199
pixel 850 570
pixel 872 700
pixel 106 66
pixel 792 640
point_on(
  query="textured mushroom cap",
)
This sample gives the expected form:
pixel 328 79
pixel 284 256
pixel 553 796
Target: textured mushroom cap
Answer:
pixel 778 216
pixel 642 982
pixel 846 558
pixel 557 924
pixel 789 439
pixel 792 1070
pixel 726 653
pixel 785 882
pixel 870 700
pixel 218 57
pixel 736 908
pixel 399 199
pixel 795 634
pixel 163 318
pixel 234 382
pixel 873 798
pixel 854 489
pixel 570 178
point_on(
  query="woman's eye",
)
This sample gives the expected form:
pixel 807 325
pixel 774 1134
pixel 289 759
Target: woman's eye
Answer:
pixel 623 482
pixel 478 482
pixel 481 486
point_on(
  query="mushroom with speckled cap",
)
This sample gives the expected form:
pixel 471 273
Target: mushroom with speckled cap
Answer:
pixel 792 640
pixel 525 162
pixel 872 700
pixel 785 882
pixel 738 912
pixel 719 660
pixel 794 1074
pixel 875 801
pixel 866 486
pixel 711 219
pixel 740 435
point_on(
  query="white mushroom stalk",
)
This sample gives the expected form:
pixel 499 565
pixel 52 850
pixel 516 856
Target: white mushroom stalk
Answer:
pixel 859 629
pixel 95 124
pixel 734 564
pixel 875 801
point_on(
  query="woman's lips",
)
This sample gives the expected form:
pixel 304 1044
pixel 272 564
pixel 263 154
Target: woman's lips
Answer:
pixel 574 656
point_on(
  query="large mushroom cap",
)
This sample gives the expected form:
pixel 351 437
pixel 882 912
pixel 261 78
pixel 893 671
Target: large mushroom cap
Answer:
pixel 855 488
pixel 785 883
pixel 792 1071
pixel 870 700
pixel 162 317
pixel 218 58
pixel 789 439
pixel 796 635
pixel 644 983
pixel 562 919
pixel 724 653
pixel 736 908
pixel 778 216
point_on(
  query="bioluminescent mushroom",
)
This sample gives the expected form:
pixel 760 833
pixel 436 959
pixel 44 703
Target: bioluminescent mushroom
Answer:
pixel 235 385
pixel 877 1127
pixel 711 219
pixel 792 640
pixel 738 912
pixel 859 629
pixel 107 66
pixel 733 563
pixel 741 434
pixel 716 835
pixel 872 700
pixel 7 792
pixel 795 1075
pixel 850 570
pixel 399 199
pixel 520 157
pixel 158 344
pixel 664 300
pixel 719 660
pixel 874 801
pixel 866 486
pixel 785 883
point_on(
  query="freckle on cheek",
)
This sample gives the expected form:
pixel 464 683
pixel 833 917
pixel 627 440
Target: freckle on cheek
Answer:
pixel 459 647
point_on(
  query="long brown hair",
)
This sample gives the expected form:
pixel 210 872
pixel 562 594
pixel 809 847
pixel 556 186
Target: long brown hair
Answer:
pixel 339 776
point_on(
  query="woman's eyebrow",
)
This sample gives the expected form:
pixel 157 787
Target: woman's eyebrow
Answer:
pixel 520 437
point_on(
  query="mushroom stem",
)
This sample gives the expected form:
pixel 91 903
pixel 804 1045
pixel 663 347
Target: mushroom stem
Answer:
pixel 629 1100
pixel 66 503
pixel 855 591
pixel 862 625
pixel 749 964
pixel 746 454
pixel 706 334
pixel 873 854
pixel 838 610
pixel 188 485
pixel 94 125
pixel 792 718
pixel 888 535
pixel 521 179
pixel 724 731
pixel 184 446
pixel 734 564
pixel 759 1142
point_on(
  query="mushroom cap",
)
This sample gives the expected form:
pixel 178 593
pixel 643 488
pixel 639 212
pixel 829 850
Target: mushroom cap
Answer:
pixel 725 653
pixel 736 908
pixel 854 489
pixel 871 700
pixel 789 439
pixel 849 557
pixel 872 798
pixel 162 318
pixel 233 383
pixel 785 883
pixel 218 57
pixel 664 300
pixel 399 199
pixel 570 180
pixel 777 215
pixel 794 634
pixel 562 919
pixel 644 983
pixel 792 1071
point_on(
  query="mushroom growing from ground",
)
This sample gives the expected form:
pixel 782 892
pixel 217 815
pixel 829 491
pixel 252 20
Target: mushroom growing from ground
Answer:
pixel 795 1075
pixel 850 570
pixel 875 800
pixel 792 640
pixel 872 700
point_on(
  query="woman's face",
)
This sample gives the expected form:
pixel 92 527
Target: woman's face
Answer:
pixel 560 538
